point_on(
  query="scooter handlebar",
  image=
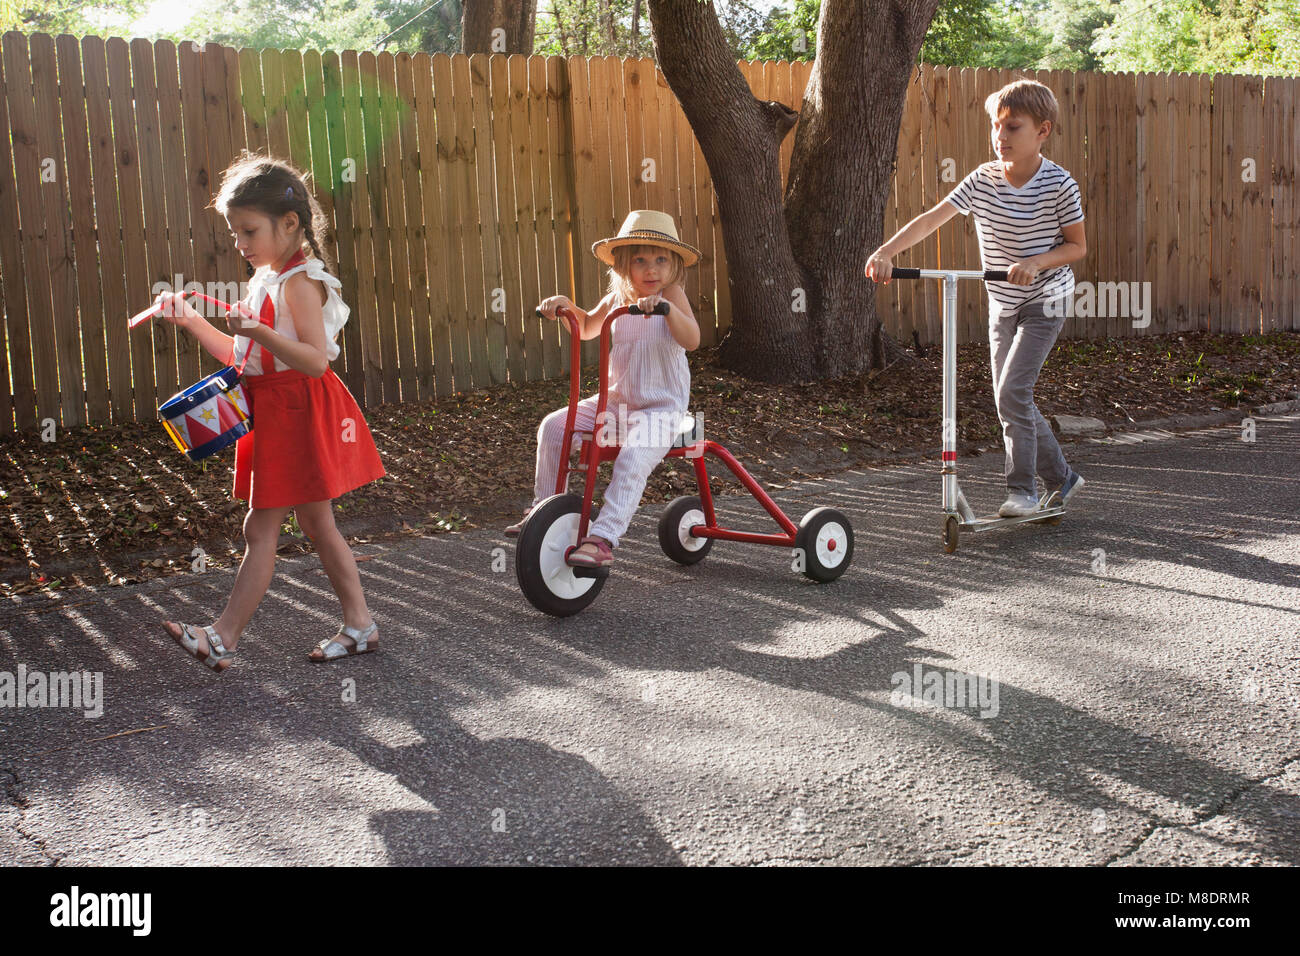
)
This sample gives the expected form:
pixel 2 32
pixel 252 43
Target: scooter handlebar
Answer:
pixel 990 275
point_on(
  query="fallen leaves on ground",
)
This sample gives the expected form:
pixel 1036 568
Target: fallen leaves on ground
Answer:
pixel 118 504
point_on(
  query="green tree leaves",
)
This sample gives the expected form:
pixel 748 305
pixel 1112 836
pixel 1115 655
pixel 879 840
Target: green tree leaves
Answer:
pixel 1213 36
pixel 1210 36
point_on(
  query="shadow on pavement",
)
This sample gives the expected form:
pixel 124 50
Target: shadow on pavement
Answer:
pixel 455 634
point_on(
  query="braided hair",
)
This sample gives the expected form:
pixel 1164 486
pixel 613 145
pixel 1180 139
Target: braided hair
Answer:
pixel 273 187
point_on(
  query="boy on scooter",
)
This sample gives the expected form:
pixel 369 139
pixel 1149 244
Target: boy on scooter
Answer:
pixel 1029 221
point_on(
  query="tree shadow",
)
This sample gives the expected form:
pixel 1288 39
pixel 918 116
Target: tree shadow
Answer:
pixel 459 640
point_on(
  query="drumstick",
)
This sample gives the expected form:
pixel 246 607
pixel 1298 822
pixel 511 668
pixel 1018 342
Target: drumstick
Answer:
pixel 155 309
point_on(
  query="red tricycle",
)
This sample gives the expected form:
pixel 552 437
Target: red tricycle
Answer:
pixel 823 541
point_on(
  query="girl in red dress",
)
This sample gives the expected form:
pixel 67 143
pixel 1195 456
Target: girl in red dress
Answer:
pixel 309 442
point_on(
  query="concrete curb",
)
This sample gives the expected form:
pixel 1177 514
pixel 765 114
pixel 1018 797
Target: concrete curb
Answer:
pixel 1229 416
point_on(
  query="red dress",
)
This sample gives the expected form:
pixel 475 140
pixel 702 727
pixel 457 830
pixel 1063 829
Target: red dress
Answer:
pixel 309 441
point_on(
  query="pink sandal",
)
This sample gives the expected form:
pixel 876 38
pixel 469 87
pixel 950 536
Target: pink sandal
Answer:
pixel 603 557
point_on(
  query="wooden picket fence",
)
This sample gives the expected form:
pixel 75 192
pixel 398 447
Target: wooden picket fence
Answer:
pixel 463 189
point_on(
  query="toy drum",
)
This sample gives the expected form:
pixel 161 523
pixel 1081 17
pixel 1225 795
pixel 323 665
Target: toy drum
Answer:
pixel 209 415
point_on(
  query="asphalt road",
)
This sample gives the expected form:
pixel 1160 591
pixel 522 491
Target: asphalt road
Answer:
pixel 1147 708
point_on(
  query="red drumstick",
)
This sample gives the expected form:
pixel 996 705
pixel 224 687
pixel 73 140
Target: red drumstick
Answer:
pixel 154 309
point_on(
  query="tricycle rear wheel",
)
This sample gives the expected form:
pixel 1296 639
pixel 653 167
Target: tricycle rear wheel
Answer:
pixel 825 540
pixel 675 525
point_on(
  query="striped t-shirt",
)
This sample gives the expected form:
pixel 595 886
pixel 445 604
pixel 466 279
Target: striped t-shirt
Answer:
pixel 1014 224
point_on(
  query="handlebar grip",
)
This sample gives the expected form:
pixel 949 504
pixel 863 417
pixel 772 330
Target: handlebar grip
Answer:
pixel 990 275
pixel 660 309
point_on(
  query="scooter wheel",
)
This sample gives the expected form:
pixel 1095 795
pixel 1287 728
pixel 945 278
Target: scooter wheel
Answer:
pixel 675 525
pixel 951 531
pixel 550 585
pixel 825 540
pixel 1053 520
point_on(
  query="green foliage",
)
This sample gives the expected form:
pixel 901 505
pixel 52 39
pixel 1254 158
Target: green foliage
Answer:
pixel 784 32
pixel 963 33
pixel 622 27
pixel 1209 36
pixel 258 24
pixel 591 28
pixel 1070 27
pixel 326 24
pixel 286 24
pixel 70 16
pixel 1146 36
pixel 1241 36
pixel 959 31
pixel 994 35
pixel 433 31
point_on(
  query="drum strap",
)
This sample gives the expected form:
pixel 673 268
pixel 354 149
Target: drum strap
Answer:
pixel 267 317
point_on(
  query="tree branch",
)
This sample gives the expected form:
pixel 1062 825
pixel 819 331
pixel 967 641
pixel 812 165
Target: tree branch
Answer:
pixel 780 118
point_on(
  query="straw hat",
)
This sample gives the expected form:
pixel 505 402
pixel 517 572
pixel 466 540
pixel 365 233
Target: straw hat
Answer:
pixel 646 227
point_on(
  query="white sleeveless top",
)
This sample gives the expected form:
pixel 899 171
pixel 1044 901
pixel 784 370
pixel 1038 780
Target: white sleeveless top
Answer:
pixel 647 366
pixel 267 283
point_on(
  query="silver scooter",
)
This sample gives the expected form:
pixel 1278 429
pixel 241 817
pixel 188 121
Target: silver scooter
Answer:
pixel 958 516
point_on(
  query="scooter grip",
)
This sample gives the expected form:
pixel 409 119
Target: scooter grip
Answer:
pixel 660 309
pixel 995 275
pixel 900 273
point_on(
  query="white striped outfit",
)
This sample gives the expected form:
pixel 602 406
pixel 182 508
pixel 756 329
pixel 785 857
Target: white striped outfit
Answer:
pixel 648 373
pixel 1015 223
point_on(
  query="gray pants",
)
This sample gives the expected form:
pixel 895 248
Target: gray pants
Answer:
pixel 1019 340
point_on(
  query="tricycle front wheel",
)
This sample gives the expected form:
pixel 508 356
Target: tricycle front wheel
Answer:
pixel 550 585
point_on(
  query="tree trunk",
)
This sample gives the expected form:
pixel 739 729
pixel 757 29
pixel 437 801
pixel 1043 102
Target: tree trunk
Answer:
pixel 518 18
pixel 636 27
pixel 801 307
pixel 606 18
pixel 563 33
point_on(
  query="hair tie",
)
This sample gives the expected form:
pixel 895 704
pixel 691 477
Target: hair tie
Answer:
pixel 288 192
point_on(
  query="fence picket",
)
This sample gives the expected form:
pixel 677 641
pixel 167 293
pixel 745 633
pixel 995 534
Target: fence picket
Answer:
pixel 17 289
pixel 89 321
pixel 64 340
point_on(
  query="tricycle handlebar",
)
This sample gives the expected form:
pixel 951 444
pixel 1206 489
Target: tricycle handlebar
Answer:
pixel 660 309
pixel 575 376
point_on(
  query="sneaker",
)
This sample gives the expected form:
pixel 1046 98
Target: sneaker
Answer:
pixel 1072 484
pixel 1017 506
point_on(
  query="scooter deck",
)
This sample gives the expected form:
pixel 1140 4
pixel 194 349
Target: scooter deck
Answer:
pixel 996 521
pixel 1050 508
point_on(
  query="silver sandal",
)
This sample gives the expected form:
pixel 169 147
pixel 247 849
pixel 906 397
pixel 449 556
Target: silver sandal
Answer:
pixel 217 651
pixel 512 531
pixel 332 648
